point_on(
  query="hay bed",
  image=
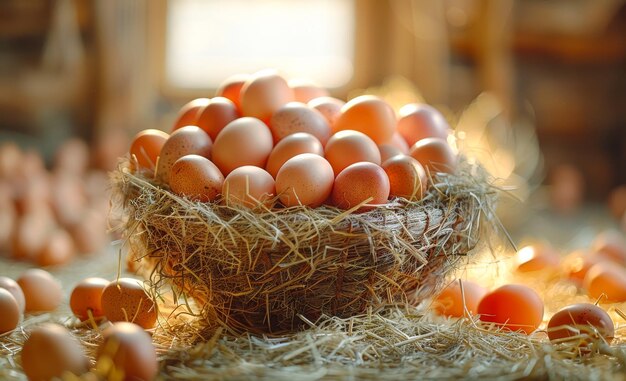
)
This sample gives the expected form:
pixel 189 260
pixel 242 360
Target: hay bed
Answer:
pixel 271 271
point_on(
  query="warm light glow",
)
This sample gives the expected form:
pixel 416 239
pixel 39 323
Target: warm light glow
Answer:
pixel 209 40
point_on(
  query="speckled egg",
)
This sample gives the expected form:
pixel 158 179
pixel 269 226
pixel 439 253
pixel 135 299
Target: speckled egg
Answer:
pixel 298 117
pixel 305 179
pixel 126 299
pixel 188 140
pixel 358 183
pixel 407 177
pixel 196 178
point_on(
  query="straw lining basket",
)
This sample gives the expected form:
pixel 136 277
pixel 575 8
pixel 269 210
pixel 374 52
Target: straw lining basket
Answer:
pixel 268 271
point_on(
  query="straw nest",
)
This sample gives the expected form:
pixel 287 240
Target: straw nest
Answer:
pixel 270 271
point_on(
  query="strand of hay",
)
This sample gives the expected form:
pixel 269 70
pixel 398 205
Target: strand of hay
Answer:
pixel 261 271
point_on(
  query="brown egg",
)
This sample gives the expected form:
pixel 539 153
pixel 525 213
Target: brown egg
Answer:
pixel 398 141
pixel 248 186
pixel 90 233
pixel 298 117
pixel 576 265
pixel 58 250
pixel 264 93
pixel 146 147
pixel 86 298
pixel 537 257
pixel 610 244
pixel 290 146
pixel 231 89
pixel 9 312
pixel 435 155
pixel 11 286
pixel 304 90
pixel 42 292
pixel 10 159
pixel 407 177
pixel 245 141
pixel 456 302
pixel 305 179
pixel 329 107
pixel 216 115
pixel 32 233
pixel 33 193
pixel 72 157
pixel 369 115
pixel 130 350
pixel 359 182
pixel 51 352
pixel 606 282
pixel 617 201
pixel 581 319
pixel 197 178
pixel 188 114
pixel 420 121
pixel 127 300
pixel 349 147
pixel 188 140
pixel 8 217
pixel 387 151
pixel 68 198
pixel 513 306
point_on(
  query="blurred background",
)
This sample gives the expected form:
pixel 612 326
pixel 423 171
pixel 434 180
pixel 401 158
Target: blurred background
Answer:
pixel 536 88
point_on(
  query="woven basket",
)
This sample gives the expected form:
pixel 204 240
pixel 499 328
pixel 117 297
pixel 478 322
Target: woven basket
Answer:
pixel 268 271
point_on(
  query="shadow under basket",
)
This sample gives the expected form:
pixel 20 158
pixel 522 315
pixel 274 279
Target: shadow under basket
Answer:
pixel 268 271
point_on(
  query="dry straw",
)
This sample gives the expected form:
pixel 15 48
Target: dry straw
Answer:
pixel 270 271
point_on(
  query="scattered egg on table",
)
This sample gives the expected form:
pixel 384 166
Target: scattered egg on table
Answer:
pixel 580 319
pixel 290 146
pixel 264 93
pixel 576 264
pixel 419 121
pixel 349 147
pixel 606 282
pixel 90 233
pixel 72 157
pixel 305 90
pixel 188 114
pixel 216 115
pixel 245 141
pixel 15 290
pixel 537 257
pixel 86 298
pixel 456 302
pixel 370 115
pixel 329 107
pixel 10 159
pixel 59 249
pixel 146 147
pixel 42 292
pixel 298 117
pixel 305 179
pixel 249 186
pixel 31 233
pixel 196 177
pixel 611 244
pixel 129 349
pixel 435 155
pixel 231 88
pixel 188 140
pixel 9 312
pixel 358 183
pixel 68 198
pixel 407 177
pixel 126 299
pixel 51 352
pixel 514 307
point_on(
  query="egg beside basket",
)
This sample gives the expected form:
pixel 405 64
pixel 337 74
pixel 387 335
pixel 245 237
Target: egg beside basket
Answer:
pixel 269 271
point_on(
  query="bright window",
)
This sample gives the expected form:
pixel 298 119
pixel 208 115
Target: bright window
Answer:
pixel 209 40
